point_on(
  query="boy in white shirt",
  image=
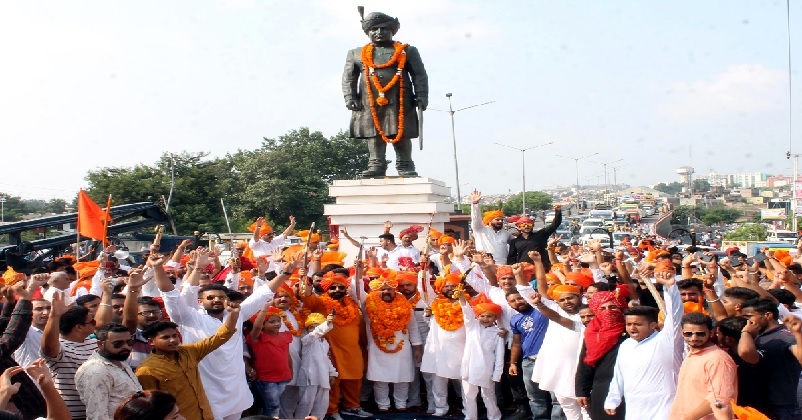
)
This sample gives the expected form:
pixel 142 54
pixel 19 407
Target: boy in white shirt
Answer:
pixel 483 359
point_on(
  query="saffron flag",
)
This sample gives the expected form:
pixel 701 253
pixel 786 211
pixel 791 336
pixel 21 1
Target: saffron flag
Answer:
pixel 91 218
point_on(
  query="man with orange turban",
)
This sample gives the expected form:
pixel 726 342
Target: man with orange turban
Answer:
pixel 263 242
pixel 443 259
pixel 488 230
pixel 408 286
pixel 555 365
pixel 344 338
pixel 396 344
pixel 530 240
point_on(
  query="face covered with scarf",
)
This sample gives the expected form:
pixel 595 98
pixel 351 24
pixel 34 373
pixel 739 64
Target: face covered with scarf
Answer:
pixel 604 331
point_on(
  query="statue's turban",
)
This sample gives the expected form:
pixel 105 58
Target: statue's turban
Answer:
pixel 378 18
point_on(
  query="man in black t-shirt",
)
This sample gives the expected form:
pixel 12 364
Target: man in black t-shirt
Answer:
pixel 773 348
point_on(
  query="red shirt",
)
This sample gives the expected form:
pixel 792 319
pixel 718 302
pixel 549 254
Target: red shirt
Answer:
pixel 271 356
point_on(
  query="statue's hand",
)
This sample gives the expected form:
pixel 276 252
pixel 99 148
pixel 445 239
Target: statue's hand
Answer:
pixel 352 105
pixel 422 103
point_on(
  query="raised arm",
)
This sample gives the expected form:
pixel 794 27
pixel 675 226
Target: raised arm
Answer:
pixel 795 325
pixel 258 323
pixel 534 300
pixel 558 220
pixel 56 407
pixel 476 212
pixel 104 312
pixel 130 306
pixel 287 232
pixel 353 241
pixel 50 343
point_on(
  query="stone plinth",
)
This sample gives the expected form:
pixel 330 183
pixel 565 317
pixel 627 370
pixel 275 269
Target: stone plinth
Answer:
pixel 362 206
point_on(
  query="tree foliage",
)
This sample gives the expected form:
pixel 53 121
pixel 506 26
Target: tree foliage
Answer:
pixel 286 176
pixel 748 232
pixel 535 200
pixel 701 185
pixel 16 207
pixel 672 188
pixel 707 215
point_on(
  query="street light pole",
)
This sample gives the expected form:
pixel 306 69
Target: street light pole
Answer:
pixel 451 111
pixel 2 209
pixel 576 165
pixel 523 170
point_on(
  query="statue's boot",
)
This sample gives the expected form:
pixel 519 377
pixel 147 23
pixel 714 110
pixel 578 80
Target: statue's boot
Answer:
pixel 377 165
pixel 403 158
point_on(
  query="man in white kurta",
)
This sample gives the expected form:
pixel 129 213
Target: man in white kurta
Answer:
pixel 442 354
pixel 488 230
pixel 555 366
pixel 222 371
pixel 409 288
pixel 385 366
pixel 646 369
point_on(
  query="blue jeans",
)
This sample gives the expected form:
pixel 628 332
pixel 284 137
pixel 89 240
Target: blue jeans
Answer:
pixel 543 404
pixel 271 394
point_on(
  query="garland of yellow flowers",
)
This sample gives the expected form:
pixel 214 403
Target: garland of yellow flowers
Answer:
pixel 298 319
pixel 399 58
pixel 346 310
pixel 447 313
pixel 387 318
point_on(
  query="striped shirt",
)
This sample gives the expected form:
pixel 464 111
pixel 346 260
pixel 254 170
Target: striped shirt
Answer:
pixel 71 356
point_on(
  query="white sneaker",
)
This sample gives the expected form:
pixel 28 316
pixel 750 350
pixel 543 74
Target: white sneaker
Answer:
pixel 438 413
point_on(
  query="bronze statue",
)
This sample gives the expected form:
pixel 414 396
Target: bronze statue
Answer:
pixel 385 113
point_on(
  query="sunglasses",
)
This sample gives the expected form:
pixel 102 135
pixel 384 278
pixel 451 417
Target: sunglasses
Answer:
pixel 690 334
pixel 149 313
pixel 338 288
pixel 216 297
pixel 119 343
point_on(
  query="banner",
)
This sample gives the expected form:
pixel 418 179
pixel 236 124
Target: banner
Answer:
pixel 798 197
pixel 772 214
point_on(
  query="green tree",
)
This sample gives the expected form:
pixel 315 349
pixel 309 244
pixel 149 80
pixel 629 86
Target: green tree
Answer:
pixel 13 208
pixel 748 232
pixel 701 185
pixel 57 205
pixel 290 175
pixel 672 188
pixel 714 215
pixel 535 200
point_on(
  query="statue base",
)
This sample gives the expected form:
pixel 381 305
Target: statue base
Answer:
pixel 363 205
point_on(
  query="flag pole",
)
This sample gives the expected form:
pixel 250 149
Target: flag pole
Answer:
pixel 106 217
pixel 77 229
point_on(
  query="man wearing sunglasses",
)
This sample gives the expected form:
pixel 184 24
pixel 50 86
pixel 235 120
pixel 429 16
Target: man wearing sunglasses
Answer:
pixel 105 380
pixel 530 240
pixel 707 376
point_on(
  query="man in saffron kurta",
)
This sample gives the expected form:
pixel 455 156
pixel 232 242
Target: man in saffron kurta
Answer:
pixel 345 341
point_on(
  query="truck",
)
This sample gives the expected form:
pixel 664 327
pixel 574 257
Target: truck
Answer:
pixel 779 235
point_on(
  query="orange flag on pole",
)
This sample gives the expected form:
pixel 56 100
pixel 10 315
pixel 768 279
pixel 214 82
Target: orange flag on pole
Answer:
pixel 91 218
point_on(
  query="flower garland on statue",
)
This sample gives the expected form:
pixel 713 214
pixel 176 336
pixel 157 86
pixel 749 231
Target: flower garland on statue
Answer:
pixel 346 310
pixel 447 313
pixel 399 59
pixel 387 318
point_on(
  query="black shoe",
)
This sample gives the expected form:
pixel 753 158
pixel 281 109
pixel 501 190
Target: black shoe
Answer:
pixel 374 172
pixel 407 174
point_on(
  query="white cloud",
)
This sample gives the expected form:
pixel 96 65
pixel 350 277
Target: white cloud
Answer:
pixel 741 89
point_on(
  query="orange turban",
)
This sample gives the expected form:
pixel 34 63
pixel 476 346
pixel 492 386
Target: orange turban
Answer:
pixel 407 277
pixel 580 279
pixel 561 289
pixel 86 269
pixel 780 254
pixel 11 277
pixel 665 266
pixel 381 282
pixel 490 215
pixel 334 243
pixel 503 270
pixel 263 230
pixel 434 233
pixel 273 311
pixel 445 239
pixel 304 234
pixel 246 277
pixel 331 278
pixel 332 257
pixel 490 307
pixel 529 270
pixel 551 278
pixel 374 272
pixel 448 279
pixel 694 307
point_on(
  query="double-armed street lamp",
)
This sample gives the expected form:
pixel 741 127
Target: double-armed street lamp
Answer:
pixel 523 170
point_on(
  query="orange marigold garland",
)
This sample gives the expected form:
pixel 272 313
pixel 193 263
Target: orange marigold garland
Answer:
pixel 298 319
pixel 415 299
pixel 447 313
pixel 399 59
pixel 346 310
pixel 387 318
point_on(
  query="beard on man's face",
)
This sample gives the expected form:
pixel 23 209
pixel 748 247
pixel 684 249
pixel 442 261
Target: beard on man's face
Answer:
pixel 120 357
pixel 336 295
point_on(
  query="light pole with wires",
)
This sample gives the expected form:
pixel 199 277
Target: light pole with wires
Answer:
pixel 451 111
pixel 576 165
pixel 523 170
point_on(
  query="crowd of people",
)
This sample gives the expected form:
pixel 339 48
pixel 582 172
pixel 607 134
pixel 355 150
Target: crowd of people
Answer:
pixel 539 328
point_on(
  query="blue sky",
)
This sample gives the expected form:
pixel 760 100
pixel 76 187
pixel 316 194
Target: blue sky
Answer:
pixel 89 84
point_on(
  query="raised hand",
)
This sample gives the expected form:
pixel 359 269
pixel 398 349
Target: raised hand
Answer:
pixel 136 278
pixel 5 380
pixel 59 306
pixel 388 225
pixel 476 197
pixel 517 269
pixel 292 220
pixel 606 267
pixel 793 323
pixel 203 257
pixel 488 260
pixel 558 207
pixel 39 371
pixel 107 285
pixel 317 254
pixel 259 222
pixel 232 307
pixel 534 255
pixel 460 247
pixel 157 260
pixel 535 298
pixel 664 278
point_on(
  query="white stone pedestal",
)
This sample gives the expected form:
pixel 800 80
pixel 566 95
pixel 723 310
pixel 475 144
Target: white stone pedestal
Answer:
pixel 362 206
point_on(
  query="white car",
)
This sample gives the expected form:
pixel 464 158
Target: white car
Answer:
pixel 592 222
